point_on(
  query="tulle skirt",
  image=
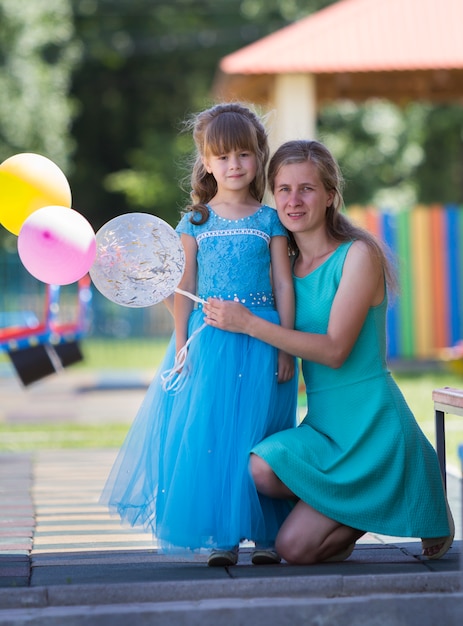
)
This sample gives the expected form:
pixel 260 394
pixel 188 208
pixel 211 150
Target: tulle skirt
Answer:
pixel 183 470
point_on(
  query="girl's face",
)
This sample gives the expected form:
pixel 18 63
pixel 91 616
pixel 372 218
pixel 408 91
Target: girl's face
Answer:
pixel 300 197
pixel 234 170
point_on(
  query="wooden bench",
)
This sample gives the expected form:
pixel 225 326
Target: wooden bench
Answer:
pixel 446 400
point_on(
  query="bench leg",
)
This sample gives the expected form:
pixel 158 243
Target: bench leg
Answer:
pixel 440 443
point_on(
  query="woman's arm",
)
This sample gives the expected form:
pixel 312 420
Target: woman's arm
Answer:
pixel 361 286
pixel 282 284
pixel 182 304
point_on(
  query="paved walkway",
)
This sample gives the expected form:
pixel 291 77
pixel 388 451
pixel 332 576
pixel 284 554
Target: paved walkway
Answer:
pixel 64 560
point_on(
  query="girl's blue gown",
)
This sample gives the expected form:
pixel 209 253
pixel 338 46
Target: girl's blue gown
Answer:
pixel 182 472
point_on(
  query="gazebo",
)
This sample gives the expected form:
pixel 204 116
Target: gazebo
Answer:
pixel 401 50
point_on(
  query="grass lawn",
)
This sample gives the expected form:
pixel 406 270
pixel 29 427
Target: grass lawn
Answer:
pixel 147 354
pixel 44 436
pixel 122 354
pixel 417 390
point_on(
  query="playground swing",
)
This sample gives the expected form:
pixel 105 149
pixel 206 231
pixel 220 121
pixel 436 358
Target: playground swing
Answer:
pixel 37 349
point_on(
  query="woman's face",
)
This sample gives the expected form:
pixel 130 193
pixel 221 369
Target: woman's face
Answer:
pixel 300 197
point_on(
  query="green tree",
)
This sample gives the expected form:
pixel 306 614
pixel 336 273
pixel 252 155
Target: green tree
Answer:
pixel 439 175
pixel 395 156
pixel 147 65
pixel 38 53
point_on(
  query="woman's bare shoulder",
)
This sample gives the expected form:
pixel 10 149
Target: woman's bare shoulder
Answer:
pixel 363 258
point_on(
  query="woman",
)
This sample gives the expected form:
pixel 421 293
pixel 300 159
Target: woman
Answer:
pixel 358 462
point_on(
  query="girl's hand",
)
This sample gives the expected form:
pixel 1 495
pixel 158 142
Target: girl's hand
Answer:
pixel 286 367
pixel 226 315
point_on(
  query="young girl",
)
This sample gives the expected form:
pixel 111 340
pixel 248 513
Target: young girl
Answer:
pixel 183 470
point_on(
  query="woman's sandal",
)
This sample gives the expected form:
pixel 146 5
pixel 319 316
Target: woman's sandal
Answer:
pixel 342 555
pixel 444 542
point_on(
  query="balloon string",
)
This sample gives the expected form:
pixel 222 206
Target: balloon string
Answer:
pixel 169 378
pixel 190 295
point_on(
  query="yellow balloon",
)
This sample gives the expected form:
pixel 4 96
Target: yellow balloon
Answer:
pixel 29 182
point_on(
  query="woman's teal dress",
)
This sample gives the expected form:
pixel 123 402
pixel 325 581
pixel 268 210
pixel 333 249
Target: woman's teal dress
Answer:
pixel 359 457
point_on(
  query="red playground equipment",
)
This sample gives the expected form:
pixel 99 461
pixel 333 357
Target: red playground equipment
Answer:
pixel 40 348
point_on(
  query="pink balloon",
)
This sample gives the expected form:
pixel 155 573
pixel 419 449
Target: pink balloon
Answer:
pixel 57 245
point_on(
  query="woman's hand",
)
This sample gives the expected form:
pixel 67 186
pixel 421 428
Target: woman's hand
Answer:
pixel 226 315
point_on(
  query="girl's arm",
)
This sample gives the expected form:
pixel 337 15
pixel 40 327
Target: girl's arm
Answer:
pixel 169 303
pixel 284 296
pixel 361 286
pixel 182 304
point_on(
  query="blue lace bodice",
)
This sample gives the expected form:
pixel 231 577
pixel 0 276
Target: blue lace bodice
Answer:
pixel 234 256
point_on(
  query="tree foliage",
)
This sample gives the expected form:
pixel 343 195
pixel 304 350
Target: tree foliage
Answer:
pixel 38 54
pixel 147 66
pixel 396 157
pixel 102 88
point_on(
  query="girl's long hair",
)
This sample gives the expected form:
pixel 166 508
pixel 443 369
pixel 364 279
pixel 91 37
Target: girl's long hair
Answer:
pixel 219 130
pixel 338 225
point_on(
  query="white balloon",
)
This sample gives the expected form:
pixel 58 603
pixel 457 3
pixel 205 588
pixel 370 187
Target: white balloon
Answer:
pixel 139 260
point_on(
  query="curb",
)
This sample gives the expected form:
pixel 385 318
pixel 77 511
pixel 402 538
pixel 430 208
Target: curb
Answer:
pixel 385 609
pixel 305 587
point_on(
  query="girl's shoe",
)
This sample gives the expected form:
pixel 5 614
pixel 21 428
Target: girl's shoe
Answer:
pixel 223 558
pixel 443 542
pixel 265 556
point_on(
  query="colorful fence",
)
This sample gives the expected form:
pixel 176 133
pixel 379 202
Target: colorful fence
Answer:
pixel 427 242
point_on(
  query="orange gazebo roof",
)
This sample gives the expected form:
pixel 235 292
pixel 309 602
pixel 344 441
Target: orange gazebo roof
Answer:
pixel 353 45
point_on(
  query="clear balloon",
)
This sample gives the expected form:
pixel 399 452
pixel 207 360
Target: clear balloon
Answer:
pixel 57 245
pixel 139 260
pixel 29 182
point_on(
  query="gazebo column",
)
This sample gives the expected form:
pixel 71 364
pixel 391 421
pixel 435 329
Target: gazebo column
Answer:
pixel 294 100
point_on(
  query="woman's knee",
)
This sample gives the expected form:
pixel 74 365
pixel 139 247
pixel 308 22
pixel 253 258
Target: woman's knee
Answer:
pixel 294 549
